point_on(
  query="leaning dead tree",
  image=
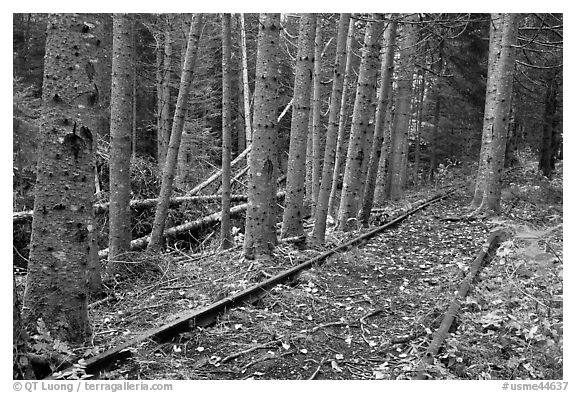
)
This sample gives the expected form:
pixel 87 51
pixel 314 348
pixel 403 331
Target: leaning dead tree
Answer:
pixel 216 175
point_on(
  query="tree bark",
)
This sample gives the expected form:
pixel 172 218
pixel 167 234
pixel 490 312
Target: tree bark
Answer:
pixel 120 130
pixel 316 114
pixel 246 86
pixel 321 212
pixel 379 128
pixel 401 124
pixel 547 150
pixel 493 58
pixel 225 224
pixel 309 157
pixel 296 176
pixel 134 101
pixel 164 131
pixel 56 288
pixel 504 79
pixel 177 127
pixel 340 143
pixel 382 190
pixel 363 109
pixel 419 115
pixel 260 235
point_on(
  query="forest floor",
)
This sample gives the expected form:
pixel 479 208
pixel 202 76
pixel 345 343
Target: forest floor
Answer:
pixel 368 313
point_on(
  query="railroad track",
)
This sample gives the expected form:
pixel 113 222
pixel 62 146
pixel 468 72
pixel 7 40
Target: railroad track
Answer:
pixel 206 316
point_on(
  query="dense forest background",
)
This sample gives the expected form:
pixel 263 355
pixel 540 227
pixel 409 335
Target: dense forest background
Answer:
pixel 461 40
pixel 135 131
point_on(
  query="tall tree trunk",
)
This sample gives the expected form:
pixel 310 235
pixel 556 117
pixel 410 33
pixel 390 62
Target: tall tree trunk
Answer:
pixel 401 124
pixel 260 234
pixel 134 75
pixel 316 114
pixel 379 128
pixel 510 158
pixel 246 86
pixel 240 121
pixel 159 97
pixel 225 224
pixel 434 136
pixel 120 129
pixel 169 170
pixel 340 142
pixel 309 158
pixel 493 58
pixel 363 108
pixel 419 114
pixel 382 190
pixel 164 132
pixel 296 176
pixel 504 79
pixel 436 117
pixel 56 288
pixel 321 212
pixel 547 150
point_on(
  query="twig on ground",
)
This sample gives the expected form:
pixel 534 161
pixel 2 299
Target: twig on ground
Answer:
pixel 270 344
pixel 317 370
pixel 266 358
pixel 337 323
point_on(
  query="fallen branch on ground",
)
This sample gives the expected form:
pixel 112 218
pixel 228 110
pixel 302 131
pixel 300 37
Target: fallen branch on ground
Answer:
pixel 267 345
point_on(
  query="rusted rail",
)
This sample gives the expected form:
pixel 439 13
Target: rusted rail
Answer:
pixel 440 335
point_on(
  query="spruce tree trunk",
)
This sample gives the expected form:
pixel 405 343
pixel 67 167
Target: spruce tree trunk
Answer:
pixel 386 72
pixel 169 170
pixel 493 58
pixel 159 97
pixel 401 124
pixel 504 79
pixel 164 131
pixel 434 136
pixel 260 234
pixel 225 224
pixel 309 158
pixel 316 114
pixel 547 150
pixel 382 190
pixel 62 224
pixel 436 118
pixel 341 140
pixel 420 113
pixel 240 124
pixel 296 176
pixel 120 130
pixel 363 109
pixel 321 212
pixel 134 101
pixel 246 86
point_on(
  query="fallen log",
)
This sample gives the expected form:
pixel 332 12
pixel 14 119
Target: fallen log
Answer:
pixel 187 226
pixel 142 204
pixel 442 332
